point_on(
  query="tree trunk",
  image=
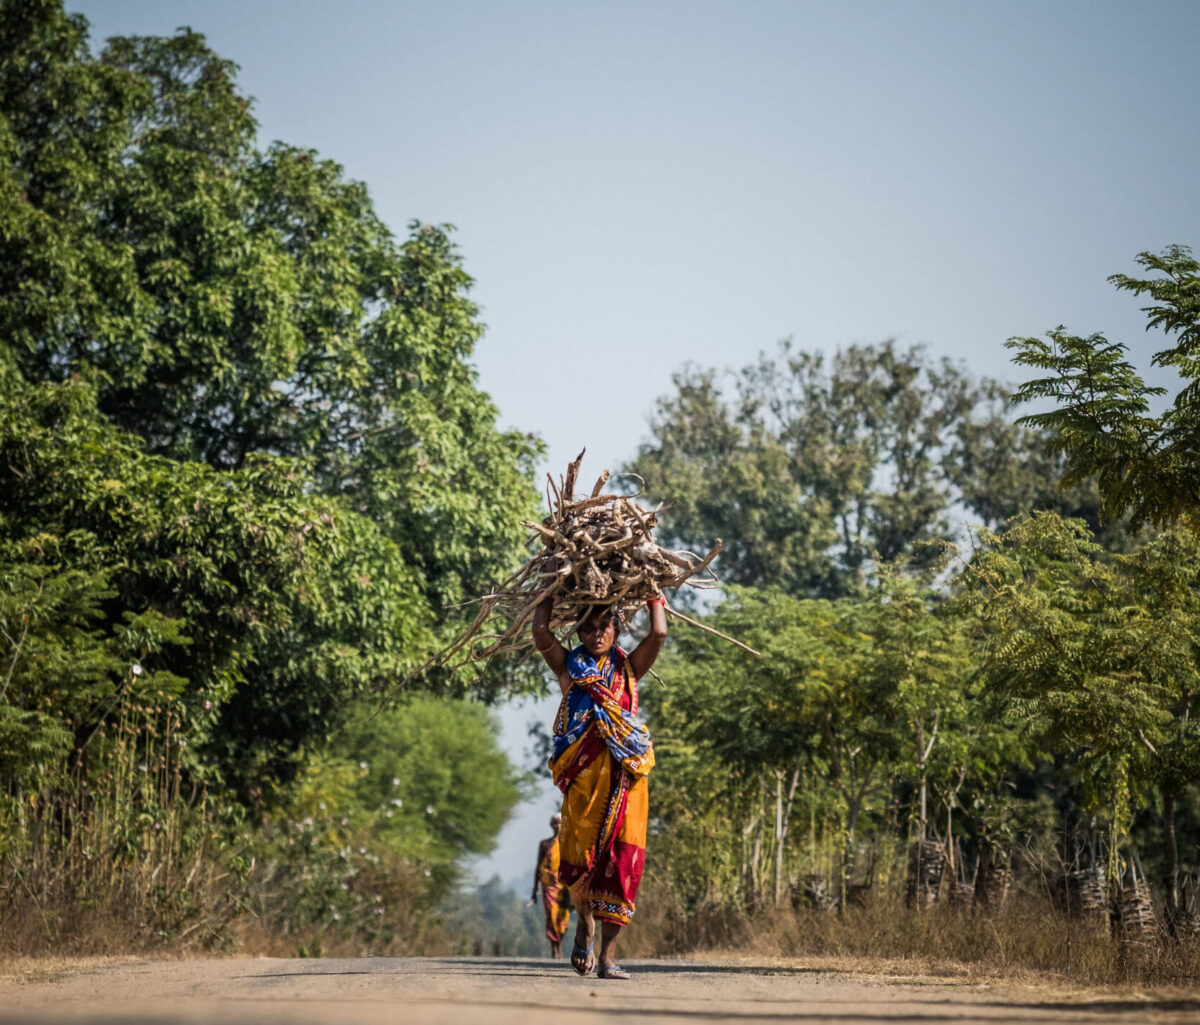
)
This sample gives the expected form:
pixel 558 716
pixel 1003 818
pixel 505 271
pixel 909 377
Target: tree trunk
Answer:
pixel 951 853
pixel 922 825
pixel 786 826
pixel 852 814
pixel 754 888
pixel 923 821
pixel 750 862
pixel 778 837
pixel 1171 863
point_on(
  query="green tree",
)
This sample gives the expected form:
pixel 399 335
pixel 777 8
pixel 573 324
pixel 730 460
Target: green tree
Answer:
pixel 735 481
pixel 373 838
pixel 1094 654
pixel 1002 468
pixel 860 709
pixel 1163 578
pixel 233 301
pixel 809 711
pixel 456 786
pixel 425 783
pixel 120 556
pixel 920 659
pixel 1147 465
pixel 245 468
pixel 232 307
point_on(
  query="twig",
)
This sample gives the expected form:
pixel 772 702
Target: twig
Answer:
pixel 715 633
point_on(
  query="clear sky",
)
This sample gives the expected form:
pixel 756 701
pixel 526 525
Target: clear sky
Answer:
pixel 639 185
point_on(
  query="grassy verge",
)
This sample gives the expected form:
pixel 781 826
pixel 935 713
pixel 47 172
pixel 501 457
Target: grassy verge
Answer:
pixel 1025 941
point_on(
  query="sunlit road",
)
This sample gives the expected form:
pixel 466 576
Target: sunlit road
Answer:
pixel 516 991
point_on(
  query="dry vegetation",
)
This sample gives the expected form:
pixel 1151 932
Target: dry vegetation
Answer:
pixel 1026 941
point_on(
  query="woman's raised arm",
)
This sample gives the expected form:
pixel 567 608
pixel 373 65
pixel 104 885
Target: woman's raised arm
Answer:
pixel 643 656
pixel 545 641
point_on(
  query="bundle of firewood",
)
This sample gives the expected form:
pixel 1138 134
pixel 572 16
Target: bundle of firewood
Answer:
pixel 595 551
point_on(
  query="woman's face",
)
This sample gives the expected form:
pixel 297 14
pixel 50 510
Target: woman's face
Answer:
pixel 597 633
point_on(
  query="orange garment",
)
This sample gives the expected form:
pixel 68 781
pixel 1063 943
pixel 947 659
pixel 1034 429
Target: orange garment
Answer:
pixel 605 794
pixel 603 837
pixel 558 912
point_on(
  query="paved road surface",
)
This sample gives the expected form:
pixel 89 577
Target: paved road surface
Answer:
pixel 517 991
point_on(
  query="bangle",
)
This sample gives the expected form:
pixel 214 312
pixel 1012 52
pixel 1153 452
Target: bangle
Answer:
pixel 657 600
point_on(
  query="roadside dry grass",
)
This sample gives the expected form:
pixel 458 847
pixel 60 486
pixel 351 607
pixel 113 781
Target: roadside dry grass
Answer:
pixel 1026 945
pixel 1026 942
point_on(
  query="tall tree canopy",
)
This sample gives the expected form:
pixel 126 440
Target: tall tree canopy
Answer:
pixel 230 300
pixel 218 346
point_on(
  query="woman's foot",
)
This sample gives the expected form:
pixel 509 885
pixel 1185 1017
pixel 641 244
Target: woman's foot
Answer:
pixel 608 967
pixel 611 971
pixel 582 958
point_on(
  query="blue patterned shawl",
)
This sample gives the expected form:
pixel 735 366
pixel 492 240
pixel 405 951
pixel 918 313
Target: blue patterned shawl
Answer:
pixel 595 700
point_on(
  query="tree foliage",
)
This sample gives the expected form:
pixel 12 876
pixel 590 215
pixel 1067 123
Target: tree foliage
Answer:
pixel 236 562
pixel 425 782
pixel 245 466
pixel 1103 422
pixel 849 696
pixel 232 301
pixel 244 312
pixel 814 468
pixel 1094 655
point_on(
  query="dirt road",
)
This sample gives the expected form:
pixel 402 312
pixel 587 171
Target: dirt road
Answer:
pixel 515 991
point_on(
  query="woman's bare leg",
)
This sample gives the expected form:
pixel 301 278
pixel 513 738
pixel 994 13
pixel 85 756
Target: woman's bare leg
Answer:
pixel 585 928
pixel 585 924
pixel 609 931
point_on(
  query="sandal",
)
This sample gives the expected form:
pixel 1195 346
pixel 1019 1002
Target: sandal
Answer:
pixel 611 971
pixel 581 959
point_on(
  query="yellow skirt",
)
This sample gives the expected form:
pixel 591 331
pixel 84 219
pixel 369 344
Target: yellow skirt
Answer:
pixel 602 841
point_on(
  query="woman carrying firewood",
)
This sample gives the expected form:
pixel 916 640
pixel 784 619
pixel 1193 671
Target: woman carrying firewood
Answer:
pixel 602 756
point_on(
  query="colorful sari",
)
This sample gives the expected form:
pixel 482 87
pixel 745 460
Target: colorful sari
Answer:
pixel 558 913
pixel 602 756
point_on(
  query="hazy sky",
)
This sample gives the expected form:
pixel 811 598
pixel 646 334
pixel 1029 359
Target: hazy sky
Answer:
pixel 639 185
